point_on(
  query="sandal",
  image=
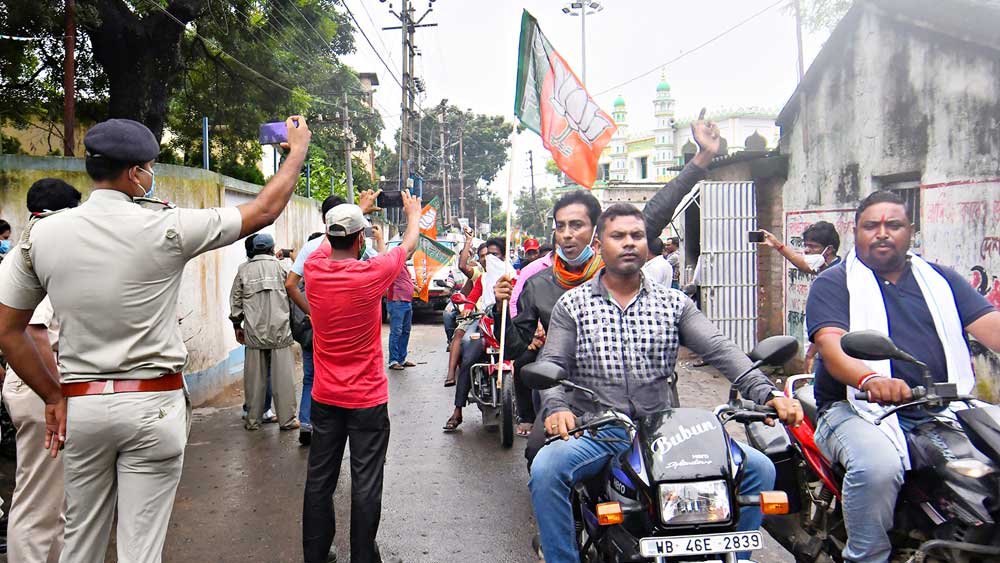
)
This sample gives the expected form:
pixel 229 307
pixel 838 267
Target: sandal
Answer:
pixel 524 429
pixel 450 382
pixel 452 424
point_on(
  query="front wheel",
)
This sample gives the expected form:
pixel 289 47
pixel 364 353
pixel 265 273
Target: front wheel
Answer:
pixel 507 421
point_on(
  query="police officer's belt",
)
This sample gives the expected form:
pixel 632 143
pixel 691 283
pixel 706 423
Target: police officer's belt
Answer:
pixel 169 382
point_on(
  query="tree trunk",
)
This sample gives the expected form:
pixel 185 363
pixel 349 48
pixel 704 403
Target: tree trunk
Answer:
pixel 140 56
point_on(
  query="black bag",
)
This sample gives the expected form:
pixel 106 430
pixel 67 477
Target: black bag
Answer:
pixel 302 330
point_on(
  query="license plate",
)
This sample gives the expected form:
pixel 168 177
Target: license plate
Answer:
pixel 695 545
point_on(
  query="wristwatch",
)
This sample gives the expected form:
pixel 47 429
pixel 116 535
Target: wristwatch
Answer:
pixel 775 394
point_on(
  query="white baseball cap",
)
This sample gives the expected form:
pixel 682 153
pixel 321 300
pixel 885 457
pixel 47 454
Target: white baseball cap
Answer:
pixel 344 220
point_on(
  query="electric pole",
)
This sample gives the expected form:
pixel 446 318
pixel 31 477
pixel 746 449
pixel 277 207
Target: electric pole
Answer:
pixel 461 172
pixel 347 151
pixel 444 166
pixel 69 111
pixel 534 200
pixel 408 25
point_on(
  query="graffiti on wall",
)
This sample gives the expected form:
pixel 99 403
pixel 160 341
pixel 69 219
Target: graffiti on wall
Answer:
pixel 797 283
pixel 987 286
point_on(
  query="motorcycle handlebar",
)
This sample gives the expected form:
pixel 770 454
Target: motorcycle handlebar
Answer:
pixel 919 393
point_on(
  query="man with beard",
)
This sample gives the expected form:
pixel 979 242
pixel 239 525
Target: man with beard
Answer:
pixel 926 309
pixel 575 261
pixel 618 335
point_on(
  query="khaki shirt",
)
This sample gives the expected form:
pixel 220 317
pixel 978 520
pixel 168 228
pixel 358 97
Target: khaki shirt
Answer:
pixel 43 316
pixel 259 299
pixel 113 271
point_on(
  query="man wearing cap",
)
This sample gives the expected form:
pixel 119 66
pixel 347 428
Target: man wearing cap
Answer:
pixel 261 319
pixel 113 270
pixel 350 391
pixel 529 253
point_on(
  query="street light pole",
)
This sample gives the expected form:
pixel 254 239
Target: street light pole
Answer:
pixel 583 42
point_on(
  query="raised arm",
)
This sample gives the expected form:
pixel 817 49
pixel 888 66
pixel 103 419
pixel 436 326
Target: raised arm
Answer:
pixel 660 209
pixel 272 199
pixel 463 257
pixel 796 259
pixel 413 210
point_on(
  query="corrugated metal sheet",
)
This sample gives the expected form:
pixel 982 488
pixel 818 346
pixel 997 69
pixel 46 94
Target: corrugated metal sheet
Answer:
pixel 729 260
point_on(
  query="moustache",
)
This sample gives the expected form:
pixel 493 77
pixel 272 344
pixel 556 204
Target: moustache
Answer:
pixel 881 244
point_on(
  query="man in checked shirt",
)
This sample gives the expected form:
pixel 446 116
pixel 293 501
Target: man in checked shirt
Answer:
pixel 618 335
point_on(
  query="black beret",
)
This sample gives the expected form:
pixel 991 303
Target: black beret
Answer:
pixel 123 140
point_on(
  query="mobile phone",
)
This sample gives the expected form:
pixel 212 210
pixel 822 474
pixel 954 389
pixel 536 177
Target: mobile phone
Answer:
pixel 273 133
pixel 369 232
pixel 389 198
pixel 286 252
pixel 755 236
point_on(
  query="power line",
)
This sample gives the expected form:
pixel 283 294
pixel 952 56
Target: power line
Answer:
pixel 372 45
pixel 377 34
pixel 699 47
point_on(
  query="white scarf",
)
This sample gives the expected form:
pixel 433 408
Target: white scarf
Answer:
pixel 868 313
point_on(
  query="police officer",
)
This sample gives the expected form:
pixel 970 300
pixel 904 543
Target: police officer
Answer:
pixel 113 270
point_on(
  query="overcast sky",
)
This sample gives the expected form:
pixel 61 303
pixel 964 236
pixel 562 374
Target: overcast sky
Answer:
pixel 471 57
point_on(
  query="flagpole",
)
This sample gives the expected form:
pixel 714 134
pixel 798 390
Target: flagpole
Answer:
pixel 506 258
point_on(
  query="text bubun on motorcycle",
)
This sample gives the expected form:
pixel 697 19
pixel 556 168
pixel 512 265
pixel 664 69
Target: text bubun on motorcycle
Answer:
pixel 672 496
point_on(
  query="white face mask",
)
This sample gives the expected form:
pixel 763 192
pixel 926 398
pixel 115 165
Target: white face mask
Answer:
pixel 815 261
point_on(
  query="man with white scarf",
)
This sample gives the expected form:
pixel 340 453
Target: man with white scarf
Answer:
pixel 926 309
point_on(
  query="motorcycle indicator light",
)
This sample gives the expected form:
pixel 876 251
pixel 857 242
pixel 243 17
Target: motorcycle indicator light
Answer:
pixel 774 502
pixel 609 514
pixel 699 502
pixel 971 468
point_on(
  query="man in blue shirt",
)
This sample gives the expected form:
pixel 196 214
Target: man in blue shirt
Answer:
pixel 900 287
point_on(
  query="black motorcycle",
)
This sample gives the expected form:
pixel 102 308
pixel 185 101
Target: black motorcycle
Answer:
pixel 672 496
pixel 949 507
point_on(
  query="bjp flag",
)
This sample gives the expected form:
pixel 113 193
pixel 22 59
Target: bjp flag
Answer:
pixel 430 255
pixel 551 101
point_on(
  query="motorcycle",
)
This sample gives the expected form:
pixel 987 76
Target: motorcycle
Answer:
pixel 492 383
pixel 672 495
pixel 948 510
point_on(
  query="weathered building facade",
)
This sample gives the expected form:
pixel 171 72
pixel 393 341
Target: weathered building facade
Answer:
pixel 905 96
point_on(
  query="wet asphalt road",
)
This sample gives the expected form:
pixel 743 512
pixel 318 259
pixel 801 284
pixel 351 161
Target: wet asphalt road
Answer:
pixel 448 497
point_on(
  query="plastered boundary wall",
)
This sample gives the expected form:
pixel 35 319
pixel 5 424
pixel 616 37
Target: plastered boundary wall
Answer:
pixel 215 359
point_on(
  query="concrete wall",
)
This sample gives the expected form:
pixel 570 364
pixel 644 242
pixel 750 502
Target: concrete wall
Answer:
pixel 215 358
pixel 894 105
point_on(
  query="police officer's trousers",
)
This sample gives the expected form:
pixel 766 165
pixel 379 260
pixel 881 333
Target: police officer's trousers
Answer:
pixel 125 449
pixel 37 518
pixel 281 363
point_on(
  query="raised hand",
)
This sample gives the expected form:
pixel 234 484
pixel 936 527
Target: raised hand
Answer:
pixel 367 201
pixel 706 134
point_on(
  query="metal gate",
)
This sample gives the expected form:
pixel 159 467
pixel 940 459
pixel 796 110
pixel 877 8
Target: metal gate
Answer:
pixel 729 260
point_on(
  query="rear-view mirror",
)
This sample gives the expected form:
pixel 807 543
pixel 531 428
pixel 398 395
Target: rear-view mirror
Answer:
pixel 775 350
pixel 872 345
pixel 542 375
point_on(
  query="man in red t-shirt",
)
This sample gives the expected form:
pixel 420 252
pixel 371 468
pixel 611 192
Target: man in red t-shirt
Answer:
pixel 350 391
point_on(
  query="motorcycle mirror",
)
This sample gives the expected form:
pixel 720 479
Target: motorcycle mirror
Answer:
pixel 542 375
pixel 873 346
pixel 774 351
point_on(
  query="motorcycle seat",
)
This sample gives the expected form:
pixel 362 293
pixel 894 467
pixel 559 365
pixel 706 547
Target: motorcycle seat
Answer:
pixel 805 396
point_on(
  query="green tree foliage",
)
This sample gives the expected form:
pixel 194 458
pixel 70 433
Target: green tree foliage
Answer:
pixel 169 63
pixel 533 212
pixel 822 15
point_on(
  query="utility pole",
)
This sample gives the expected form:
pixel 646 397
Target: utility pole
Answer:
pixel 347 152
pixel 408 25
pixel 444 167
pixel 534 200
pixel 802 72
pixel 69 95
pixel 461 172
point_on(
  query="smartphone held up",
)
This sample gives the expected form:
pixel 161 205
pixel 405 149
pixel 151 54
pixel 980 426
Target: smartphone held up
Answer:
pixel 755 237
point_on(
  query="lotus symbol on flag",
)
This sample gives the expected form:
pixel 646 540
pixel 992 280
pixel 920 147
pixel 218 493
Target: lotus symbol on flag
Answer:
pixel 428 218
pixel 571 101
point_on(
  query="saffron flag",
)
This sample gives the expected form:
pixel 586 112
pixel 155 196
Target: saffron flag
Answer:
pixel 551 101
pixel 430 255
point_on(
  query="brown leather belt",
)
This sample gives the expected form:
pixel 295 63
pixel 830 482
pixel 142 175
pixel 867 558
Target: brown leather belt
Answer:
pixel 169 382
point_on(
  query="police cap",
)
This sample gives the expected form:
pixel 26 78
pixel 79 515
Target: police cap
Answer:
pixel 123 140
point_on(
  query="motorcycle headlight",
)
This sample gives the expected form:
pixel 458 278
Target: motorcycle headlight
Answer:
pixel 971 468
pixel 701 502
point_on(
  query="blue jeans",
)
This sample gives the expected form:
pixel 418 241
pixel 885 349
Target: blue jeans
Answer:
pixel 560 465
pixel 308 371
pixel 400 319
pixel 450 324
pixel 872 481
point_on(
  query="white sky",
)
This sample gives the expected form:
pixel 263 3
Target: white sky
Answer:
pixel 471 58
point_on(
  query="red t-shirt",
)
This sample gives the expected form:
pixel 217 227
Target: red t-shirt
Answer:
pixel 345 299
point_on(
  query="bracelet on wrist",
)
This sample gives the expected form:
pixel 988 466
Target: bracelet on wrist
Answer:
pixel 868 377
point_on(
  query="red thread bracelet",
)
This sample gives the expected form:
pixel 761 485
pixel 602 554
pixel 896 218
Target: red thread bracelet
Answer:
pixel 868 377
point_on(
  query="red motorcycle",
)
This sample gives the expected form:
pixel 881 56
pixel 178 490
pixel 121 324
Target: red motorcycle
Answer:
pixel 948 510
pixel 492 384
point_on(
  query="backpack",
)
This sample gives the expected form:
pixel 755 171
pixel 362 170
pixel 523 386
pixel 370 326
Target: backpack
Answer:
pixel 302 330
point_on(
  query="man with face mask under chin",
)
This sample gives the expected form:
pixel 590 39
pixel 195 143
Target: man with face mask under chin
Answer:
pixel 113 269
pixel 576 260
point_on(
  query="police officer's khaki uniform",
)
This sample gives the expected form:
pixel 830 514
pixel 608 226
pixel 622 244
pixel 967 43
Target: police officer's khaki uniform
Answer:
pixel 259 299
pixel 113 271
pixel 37 515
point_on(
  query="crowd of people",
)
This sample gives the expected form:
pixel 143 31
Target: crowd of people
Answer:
pixel 88 328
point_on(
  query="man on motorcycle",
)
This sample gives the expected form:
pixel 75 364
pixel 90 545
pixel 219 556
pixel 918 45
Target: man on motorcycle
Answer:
pixel 575 262
pixel 619 336
pixel 926 309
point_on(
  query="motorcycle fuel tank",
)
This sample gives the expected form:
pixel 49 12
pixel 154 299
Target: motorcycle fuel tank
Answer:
pixel 684 444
